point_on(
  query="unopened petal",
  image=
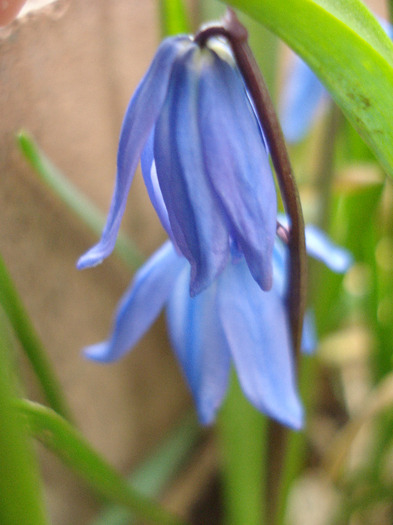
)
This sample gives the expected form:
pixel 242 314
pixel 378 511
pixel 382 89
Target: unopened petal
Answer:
pixel 320 247
pixel 257 330
pixel 195 214
pixel 141 304
pixel 200 345
pixel 141 114
pixel 301 98
pixel 237 164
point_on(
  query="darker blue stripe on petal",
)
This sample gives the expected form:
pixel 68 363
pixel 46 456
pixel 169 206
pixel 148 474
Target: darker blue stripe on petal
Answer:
pixel 196 216
pixel 238 165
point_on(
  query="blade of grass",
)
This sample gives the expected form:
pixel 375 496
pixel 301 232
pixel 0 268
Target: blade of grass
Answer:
pixel 73 198
pixel 20 488
pixel 31 343
pixel 55 433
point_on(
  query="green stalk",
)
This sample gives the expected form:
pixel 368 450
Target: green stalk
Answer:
pixel 20 488
pixel 31 344
pixel 242 444
pixel 55 433
pixel 173 17
pixel 73 198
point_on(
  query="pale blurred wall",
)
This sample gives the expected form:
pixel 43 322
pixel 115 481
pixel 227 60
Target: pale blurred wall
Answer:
pixel 66 76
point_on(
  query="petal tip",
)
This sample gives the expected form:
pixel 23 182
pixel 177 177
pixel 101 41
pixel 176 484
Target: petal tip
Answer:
pixel 294 418
pixel 99 352
pixel 89 260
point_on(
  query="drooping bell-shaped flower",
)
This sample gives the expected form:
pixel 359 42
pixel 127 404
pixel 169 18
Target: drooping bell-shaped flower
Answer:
pixel 204 163
pixel 232 322
pixel 303 96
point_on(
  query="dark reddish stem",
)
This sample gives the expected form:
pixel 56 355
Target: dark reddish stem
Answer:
pixel 236 34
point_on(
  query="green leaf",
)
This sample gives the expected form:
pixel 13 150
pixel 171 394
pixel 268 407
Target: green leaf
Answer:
pixel 346 47
pixel 73 198
pixel 20 488
pixel 60 437
pixel 31 343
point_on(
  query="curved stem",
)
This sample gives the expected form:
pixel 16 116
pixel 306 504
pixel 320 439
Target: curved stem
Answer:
pixel 236 34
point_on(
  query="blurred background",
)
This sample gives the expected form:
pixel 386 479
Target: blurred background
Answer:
pixel 67 71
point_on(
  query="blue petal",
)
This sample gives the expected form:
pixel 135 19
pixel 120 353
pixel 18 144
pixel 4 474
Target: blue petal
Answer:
pixel 141 304
pixel 200 345
pixel 196 217
pixel 238 165
pixel 257 330
pixel 141 114
pixel 321 247
pixel 301 98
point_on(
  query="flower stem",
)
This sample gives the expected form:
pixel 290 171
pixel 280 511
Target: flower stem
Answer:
pixel 237 36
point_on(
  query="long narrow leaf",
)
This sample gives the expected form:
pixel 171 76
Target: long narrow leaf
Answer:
pixel 346 47
pixel 60 437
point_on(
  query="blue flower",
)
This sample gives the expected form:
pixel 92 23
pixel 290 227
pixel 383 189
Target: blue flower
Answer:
pixel 231 322
pixel 303 96
pixel 204 163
